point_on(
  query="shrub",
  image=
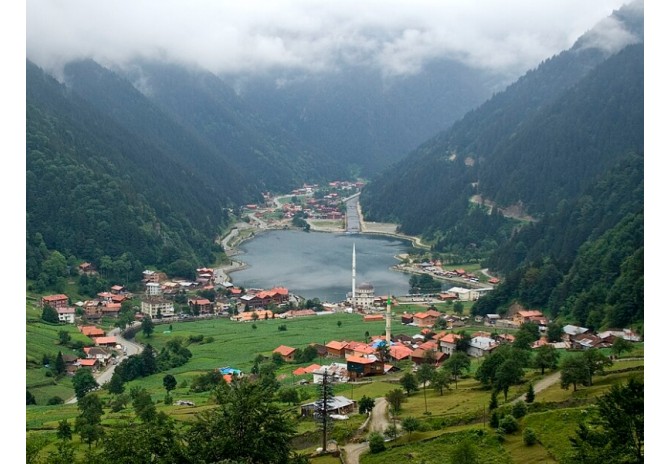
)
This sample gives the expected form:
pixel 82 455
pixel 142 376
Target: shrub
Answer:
pixel 376 441
pixel 391 431
pixel 509 424
pixel 55 400
pixel 529 437
pixel 519 409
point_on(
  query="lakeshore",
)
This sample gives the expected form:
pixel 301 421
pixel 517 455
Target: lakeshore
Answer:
pixel 244 231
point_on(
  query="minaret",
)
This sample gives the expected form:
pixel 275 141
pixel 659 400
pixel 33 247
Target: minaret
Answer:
pixel 353 278
pixel 388 322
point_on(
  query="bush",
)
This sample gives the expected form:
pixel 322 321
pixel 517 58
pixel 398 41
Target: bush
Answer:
pixel 55 400
pixel 529 437
pixel 391 431
pixel 376 441
pixel 519 409
pixel 509 424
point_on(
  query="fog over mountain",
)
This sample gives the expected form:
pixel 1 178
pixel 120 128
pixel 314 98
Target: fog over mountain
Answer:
pixel 394 37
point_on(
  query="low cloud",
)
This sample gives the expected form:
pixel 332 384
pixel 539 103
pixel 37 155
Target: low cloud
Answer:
pixel 397 37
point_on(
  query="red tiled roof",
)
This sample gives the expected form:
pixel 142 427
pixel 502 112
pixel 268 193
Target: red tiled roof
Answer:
pixel 400 352
pixel 54 297
pixel 87 362
pixel 429 345
pixel 450 338
pixel 311 368
pixel 105 340
pixel 284 350
pixel 91 331
pixel 335 345
pixel 533 313
pixel 360 360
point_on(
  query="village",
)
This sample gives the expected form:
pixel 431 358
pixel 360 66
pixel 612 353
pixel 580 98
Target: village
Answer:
pixel 437 339
pixel 437 325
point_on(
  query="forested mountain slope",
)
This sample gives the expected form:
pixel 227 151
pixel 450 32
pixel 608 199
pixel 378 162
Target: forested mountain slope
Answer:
pixel 95 189
pixel 585 263
pixel 539 142
pixel 202 103
pixel 566 143
pixel 362 117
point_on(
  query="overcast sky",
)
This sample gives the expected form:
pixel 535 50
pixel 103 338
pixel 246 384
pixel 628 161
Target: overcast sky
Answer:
pixel 226 36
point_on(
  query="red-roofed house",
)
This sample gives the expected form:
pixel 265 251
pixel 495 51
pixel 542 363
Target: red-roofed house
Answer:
pixel 277 295
pixel 91 363
pixel 336 349
pixel 116 289
pixel 111 309
pixel 529 316
pixel 358 366
pixel 306 370
pixel 287 353
pixel 55 301
pixel 200 306
pixel 421 356
pixel 358 349
pixel 400 352
pixel 373 318
pixel 427 319
pixel 448 343
pixel 311 368
pixel 119 298
pixel 91 331
pixel 105 341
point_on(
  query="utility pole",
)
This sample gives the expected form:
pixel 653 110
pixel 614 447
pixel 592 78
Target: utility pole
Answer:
pixel 324 409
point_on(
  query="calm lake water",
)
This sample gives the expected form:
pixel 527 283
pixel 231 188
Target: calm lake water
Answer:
pixel 318 264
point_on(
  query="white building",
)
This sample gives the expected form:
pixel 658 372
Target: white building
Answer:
pixel 153 289
pixel 365 296
pixel 481 346
pixel 66 315
pixel 155 305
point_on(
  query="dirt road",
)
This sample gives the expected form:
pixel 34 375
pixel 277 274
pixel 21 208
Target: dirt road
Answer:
pixel 542 384
pixel 378 423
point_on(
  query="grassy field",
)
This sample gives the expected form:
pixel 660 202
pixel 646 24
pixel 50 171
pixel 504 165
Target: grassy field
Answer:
pixel 434 450
pixel 457 416
pixel 236 344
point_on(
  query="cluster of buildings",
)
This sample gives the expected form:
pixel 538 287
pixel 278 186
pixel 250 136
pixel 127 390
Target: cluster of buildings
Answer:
pixel 97 357
pixel 325 206
pixel 105 304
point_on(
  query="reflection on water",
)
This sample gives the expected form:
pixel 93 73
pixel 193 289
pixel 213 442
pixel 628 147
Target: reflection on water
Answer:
pixel 318 265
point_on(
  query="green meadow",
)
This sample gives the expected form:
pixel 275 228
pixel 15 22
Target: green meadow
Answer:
pixel 459 415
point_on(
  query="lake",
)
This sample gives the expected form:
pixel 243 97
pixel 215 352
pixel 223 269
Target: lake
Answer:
pixel 318 264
